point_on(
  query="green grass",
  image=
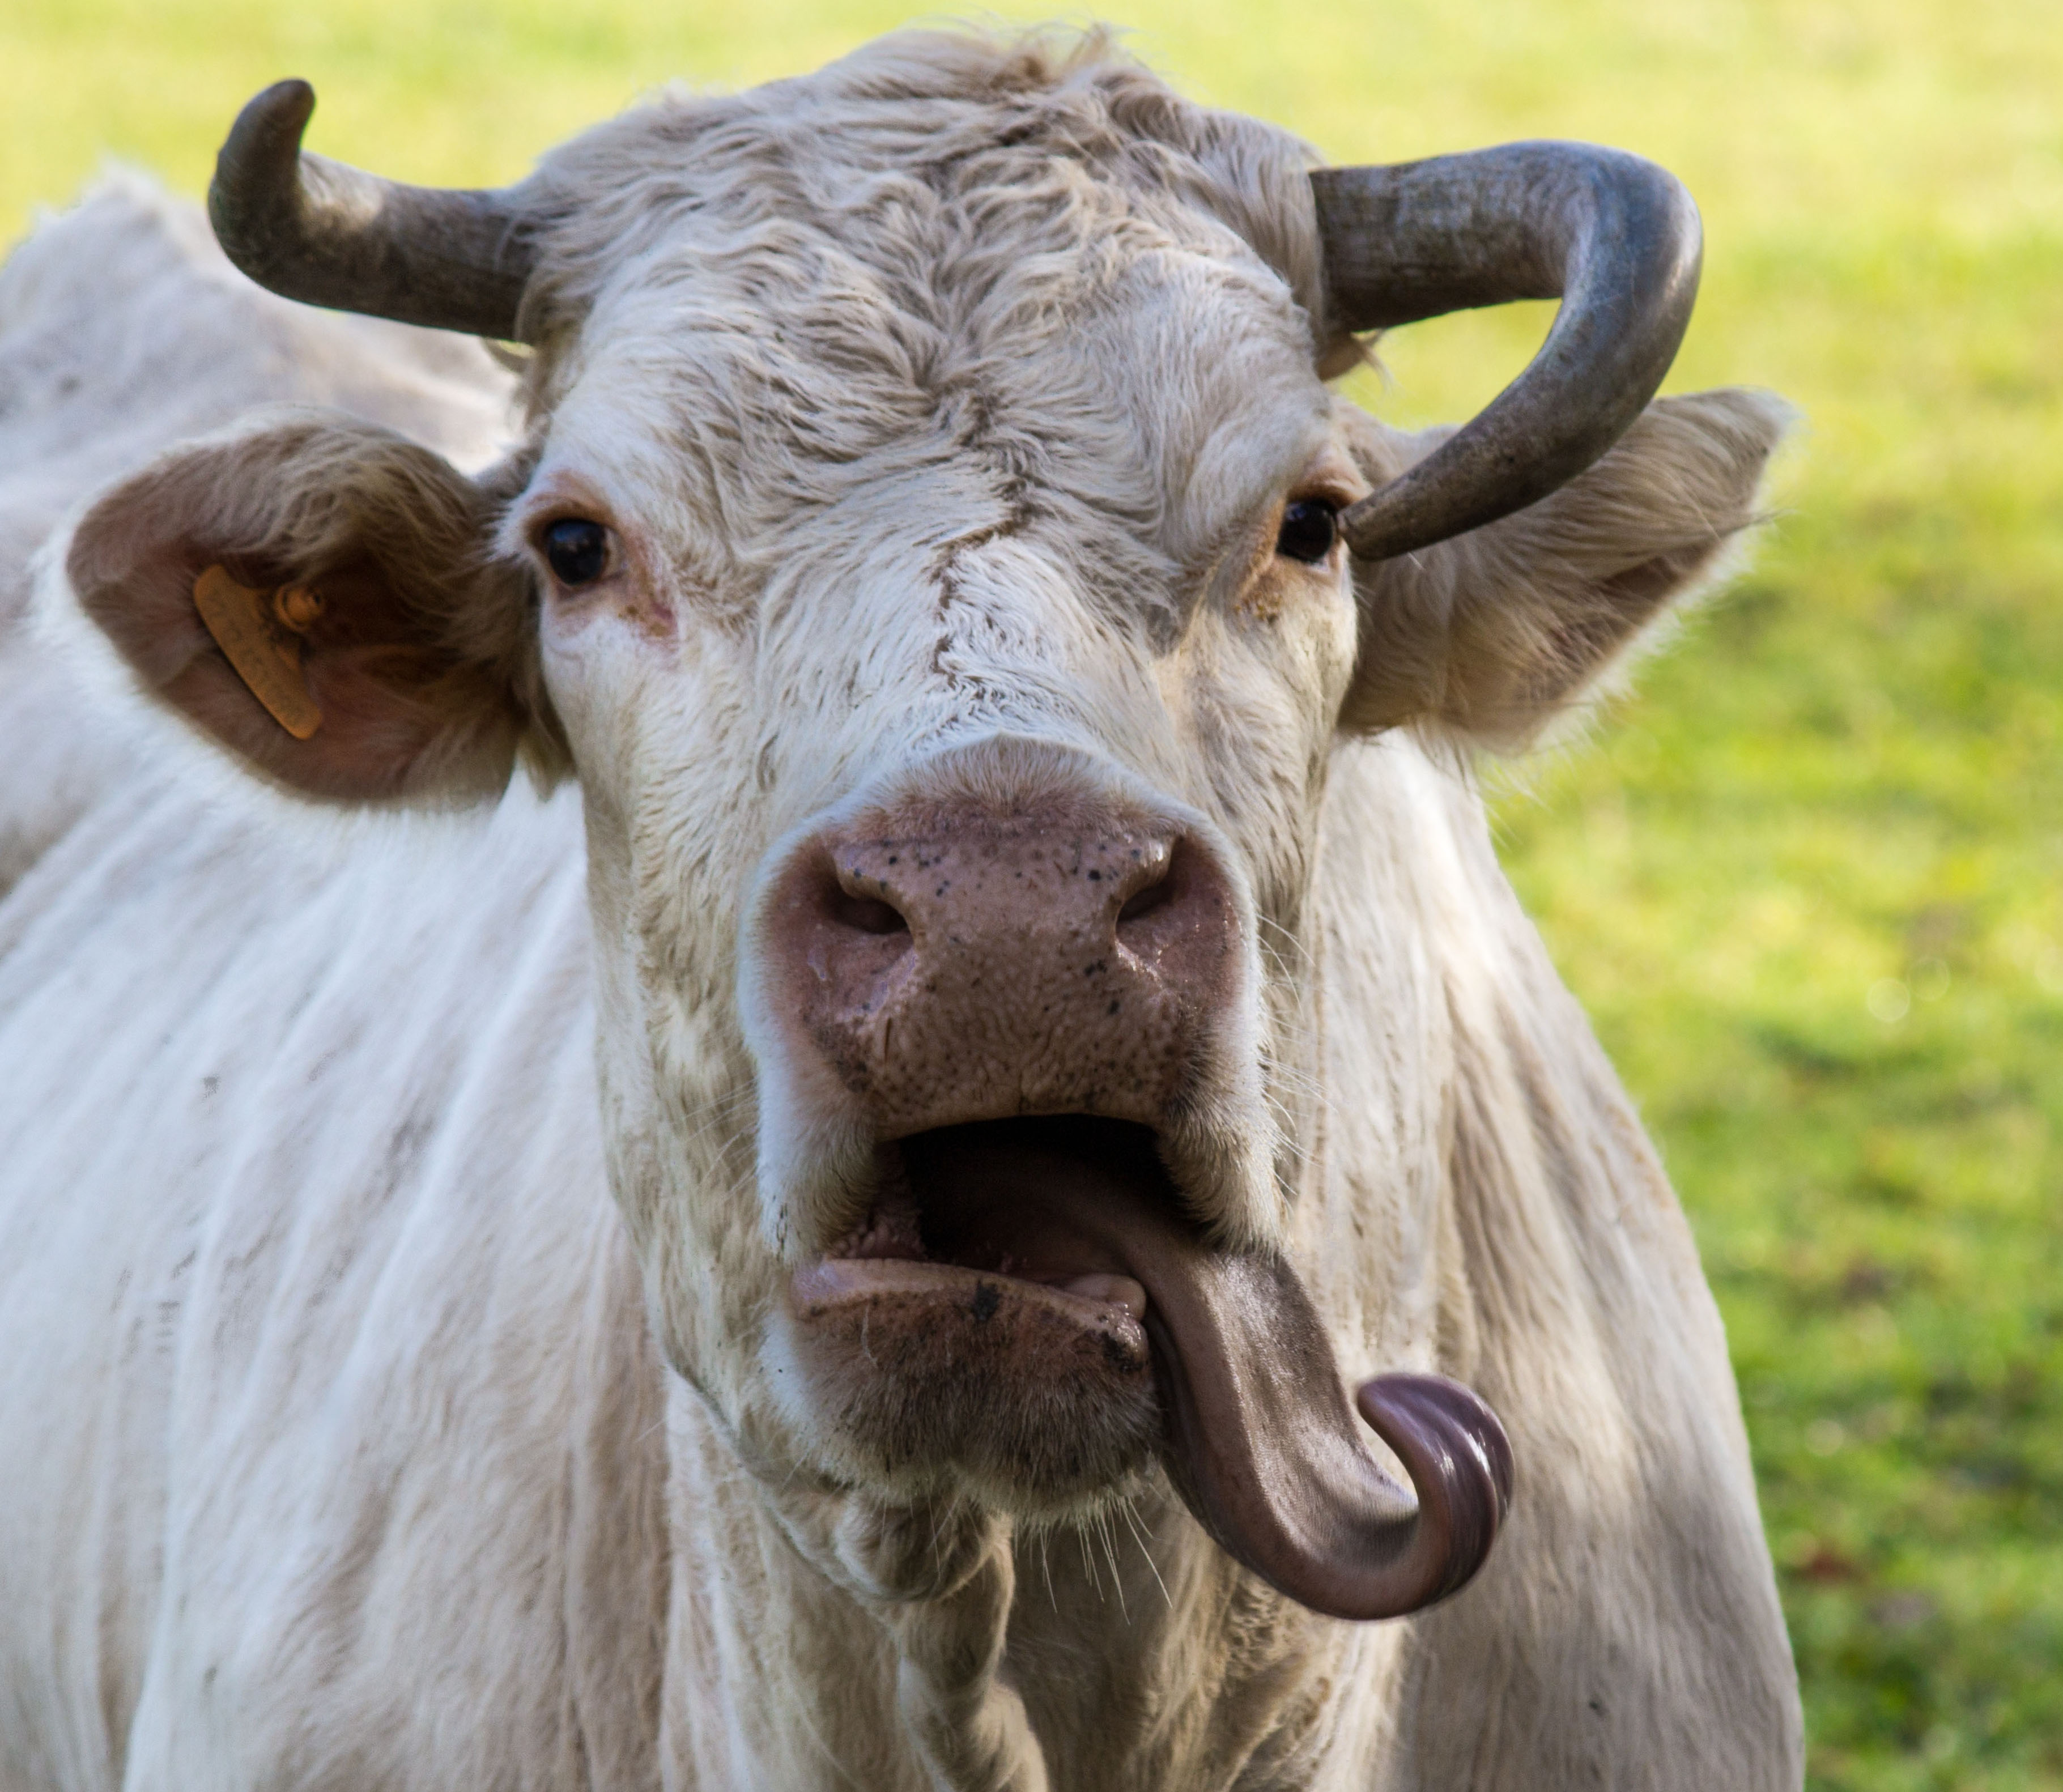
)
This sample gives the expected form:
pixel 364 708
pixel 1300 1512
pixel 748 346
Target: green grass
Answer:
pixel 1809 879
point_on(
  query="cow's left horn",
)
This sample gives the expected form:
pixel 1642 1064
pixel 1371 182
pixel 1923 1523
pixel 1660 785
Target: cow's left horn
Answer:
pixel 1614 237
pixel 327 234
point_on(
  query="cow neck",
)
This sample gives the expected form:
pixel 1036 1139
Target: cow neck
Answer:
pixel 1066 1659
pixel 1145 1656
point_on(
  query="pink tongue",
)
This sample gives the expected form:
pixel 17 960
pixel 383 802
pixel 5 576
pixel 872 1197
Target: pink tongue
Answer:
pixel 1112 1291
pixel 1261 1444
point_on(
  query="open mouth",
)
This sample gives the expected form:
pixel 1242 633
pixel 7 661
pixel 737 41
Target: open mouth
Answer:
pixel 1029 1305
pixel 991 1209
pixel 985 1316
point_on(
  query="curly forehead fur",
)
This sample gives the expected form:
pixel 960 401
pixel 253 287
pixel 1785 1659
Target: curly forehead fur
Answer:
pixel 947 184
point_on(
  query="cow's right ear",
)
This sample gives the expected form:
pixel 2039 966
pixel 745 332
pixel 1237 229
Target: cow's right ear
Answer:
pixel 384 656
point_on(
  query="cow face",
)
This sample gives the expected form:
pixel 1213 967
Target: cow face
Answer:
pixel 923 553
pixel 953 727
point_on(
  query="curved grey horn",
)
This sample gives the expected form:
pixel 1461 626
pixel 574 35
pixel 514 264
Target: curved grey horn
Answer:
pixel 1614 237
pixel 320 231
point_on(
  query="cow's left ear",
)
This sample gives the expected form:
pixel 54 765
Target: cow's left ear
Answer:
pixel 315 595
pixel 1493 633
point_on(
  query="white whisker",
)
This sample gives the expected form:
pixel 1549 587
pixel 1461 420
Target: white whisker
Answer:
pixel 1131 1517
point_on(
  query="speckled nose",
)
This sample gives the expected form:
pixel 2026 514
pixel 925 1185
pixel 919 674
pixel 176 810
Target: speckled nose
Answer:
pixel 945 965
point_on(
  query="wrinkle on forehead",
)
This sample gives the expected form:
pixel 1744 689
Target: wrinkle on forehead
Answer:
pixel 1130 430
pixel 833 372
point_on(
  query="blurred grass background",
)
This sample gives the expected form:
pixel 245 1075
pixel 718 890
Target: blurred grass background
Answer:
pixel 1807 878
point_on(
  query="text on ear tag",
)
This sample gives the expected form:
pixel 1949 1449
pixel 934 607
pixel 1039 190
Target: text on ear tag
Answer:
pixel 250 629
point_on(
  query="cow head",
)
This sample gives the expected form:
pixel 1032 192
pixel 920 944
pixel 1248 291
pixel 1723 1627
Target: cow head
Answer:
pixel 936 552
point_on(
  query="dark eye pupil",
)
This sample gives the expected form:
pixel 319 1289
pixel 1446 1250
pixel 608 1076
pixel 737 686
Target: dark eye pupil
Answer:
pixel 1308 529
pixel 577 549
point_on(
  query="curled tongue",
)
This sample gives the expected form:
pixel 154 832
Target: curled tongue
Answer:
pixel 1260 1442
pixel 1263 1451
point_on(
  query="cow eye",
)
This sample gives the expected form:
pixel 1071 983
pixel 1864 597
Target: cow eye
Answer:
pixel 577 549
pixel 1308 527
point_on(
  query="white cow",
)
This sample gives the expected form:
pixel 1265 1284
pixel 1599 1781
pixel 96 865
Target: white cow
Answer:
pixel 812 1241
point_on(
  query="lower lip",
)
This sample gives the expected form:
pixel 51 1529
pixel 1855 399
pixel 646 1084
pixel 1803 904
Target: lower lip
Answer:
pixel 1100 1300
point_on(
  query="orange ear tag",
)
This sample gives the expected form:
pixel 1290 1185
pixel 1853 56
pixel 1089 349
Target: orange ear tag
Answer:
pixel 257 634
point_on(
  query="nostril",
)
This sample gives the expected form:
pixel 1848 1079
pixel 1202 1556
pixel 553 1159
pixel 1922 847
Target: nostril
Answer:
pixel 864 914
pixel 1189 900
pixel 1143 902
pixel 1165 872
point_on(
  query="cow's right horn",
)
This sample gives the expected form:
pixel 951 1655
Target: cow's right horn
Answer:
pixel 326 234
pixel 1614 237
